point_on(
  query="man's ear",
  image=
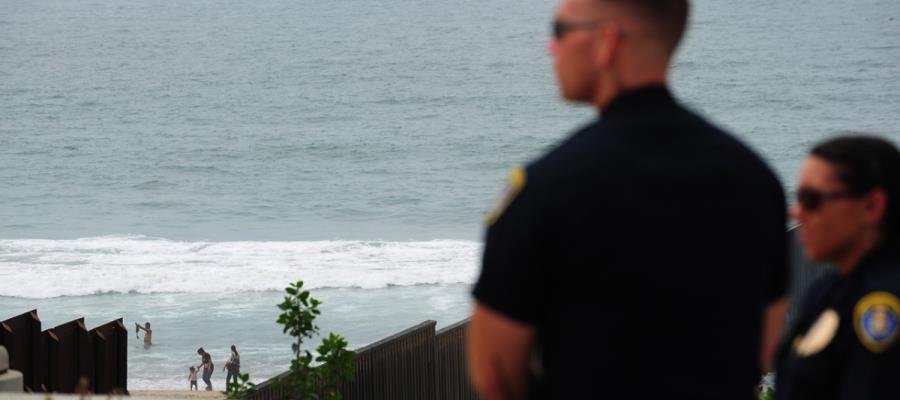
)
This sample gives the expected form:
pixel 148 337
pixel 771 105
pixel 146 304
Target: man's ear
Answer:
pixel 876 206
pixel 608 42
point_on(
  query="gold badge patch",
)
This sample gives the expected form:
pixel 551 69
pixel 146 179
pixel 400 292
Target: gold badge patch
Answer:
pixel 875 319
pixel 510 191
pixel 819 334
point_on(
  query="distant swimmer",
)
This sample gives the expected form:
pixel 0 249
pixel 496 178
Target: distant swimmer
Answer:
pixel 147 336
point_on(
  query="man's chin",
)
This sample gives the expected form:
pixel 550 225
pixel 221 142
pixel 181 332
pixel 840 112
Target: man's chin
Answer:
pixel 574 97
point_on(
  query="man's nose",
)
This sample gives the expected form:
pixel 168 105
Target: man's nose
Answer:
pixel 552 47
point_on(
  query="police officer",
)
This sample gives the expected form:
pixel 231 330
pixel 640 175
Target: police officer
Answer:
pixel 640 257
pixel 844 342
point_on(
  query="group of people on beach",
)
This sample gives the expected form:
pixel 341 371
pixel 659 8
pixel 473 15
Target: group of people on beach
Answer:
pixel 232 367
pixel 649 249
pixel 232 364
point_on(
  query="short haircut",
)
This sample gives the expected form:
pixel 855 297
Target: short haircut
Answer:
pixel 865 163
pixel 667 19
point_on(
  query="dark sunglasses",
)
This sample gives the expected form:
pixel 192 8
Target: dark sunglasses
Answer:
pixel 561 28
pixel 811 199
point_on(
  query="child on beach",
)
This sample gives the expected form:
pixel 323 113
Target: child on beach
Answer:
pixel 192 376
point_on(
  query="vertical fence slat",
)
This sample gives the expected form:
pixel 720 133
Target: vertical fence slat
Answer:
pixel 110 347
pixel 21 335
pixel 451 370
pixel 65 355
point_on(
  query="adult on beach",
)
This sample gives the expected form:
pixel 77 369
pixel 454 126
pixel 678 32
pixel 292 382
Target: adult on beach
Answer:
pixel 148 333
pixel 647 250
pixel 233 367
pixel 843 343
pixel 207 364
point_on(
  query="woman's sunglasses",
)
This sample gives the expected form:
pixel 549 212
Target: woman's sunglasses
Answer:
pixel 811 199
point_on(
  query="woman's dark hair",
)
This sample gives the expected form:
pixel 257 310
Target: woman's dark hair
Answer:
pixel 234 349
pixel 865 163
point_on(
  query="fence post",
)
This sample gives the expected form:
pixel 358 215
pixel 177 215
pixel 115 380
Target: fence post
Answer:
pixel 451 363
pixel 110 346
pixel 67 348
pixel 21 336
pixel 400 366
pixel 54 365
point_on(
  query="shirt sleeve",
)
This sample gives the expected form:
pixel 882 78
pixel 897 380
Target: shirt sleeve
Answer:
pixel 514 255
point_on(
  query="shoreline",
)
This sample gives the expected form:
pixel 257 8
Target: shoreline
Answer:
pixel 178 394
pixel 134 394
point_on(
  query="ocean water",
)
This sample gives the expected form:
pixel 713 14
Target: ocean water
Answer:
pixel 182 162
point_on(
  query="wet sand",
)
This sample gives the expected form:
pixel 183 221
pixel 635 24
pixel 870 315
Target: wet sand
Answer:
pixel 179 394
pixel 135 395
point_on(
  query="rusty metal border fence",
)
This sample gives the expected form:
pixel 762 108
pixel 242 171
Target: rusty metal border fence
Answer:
pixel 398 367
pixel 21 335
pixel 414 364
pixel 451 374
pixel 55 360
pixel 70 356
pixel 110 356
pixel 270 389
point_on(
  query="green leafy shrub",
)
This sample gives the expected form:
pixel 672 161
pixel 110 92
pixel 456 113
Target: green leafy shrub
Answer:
pixel 335 362
pixel 243 388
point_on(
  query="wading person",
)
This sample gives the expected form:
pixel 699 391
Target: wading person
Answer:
pixel 232 367
pixel 646 251
pixel 843 342
pixel 207 364
pixel 148 333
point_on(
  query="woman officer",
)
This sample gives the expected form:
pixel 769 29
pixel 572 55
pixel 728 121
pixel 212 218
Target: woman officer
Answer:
pixel 844 342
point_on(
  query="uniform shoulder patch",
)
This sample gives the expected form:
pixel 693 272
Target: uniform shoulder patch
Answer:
pixel 819 334
pixel 513 187
pixel 876 319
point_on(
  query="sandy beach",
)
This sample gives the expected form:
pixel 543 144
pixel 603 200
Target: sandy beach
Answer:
pixel 179 394
pixel 135 394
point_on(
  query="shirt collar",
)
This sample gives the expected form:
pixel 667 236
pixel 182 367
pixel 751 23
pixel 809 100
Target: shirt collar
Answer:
pixel 640 99
pixel 885 254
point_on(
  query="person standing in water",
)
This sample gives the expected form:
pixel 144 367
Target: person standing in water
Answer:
pixel 147 336
pixel 232 367
pixel 206 362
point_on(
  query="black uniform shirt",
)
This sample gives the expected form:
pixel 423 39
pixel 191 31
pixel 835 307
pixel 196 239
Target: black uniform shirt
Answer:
pixel 643 250
pixel 844 342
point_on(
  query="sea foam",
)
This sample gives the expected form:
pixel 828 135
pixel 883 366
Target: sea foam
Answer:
pixel 38 268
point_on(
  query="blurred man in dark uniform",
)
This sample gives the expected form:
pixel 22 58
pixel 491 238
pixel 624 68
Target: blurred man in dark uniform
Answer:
pixel 644 257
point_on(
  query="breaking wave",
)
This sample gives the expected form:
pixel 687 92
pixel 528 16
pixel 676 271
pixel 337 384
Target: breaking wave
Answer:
pixel 38 268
